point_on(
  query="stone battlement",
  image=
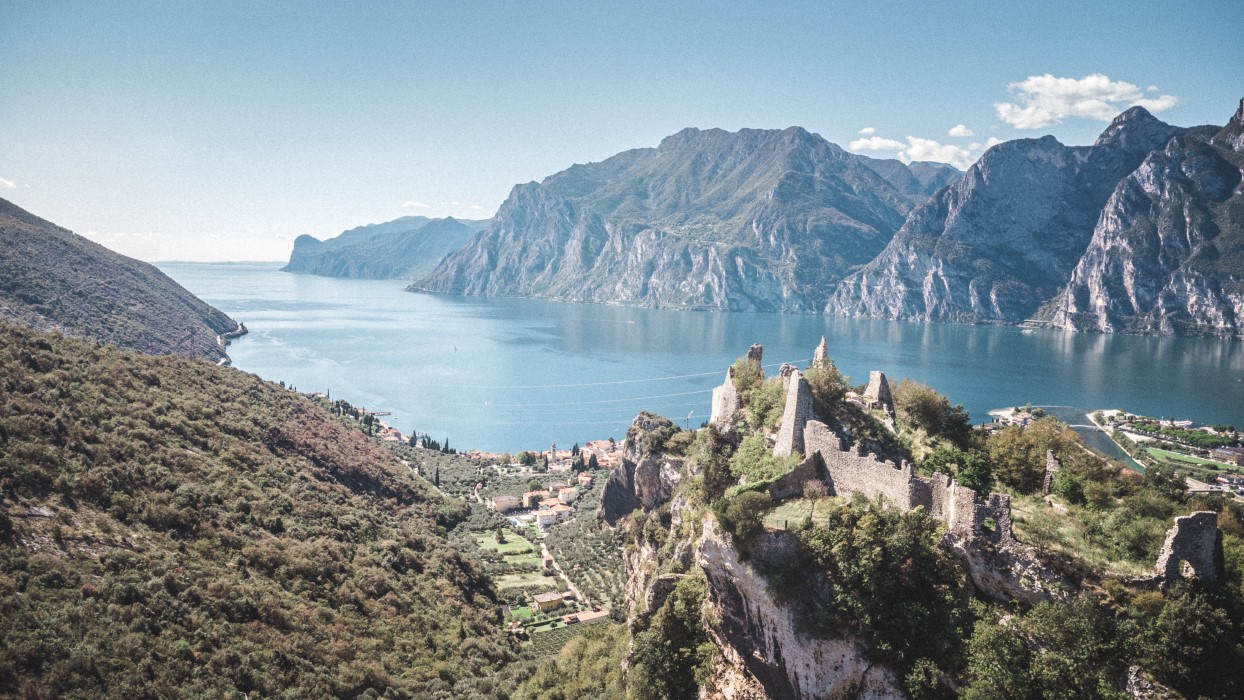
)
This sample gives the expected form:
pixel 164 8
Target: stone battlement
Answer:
pixel 846 472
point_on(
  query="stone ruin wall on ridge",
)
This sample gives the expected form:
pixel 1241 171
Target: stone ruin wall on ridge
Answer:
pixel 1194 542
pixel 846 472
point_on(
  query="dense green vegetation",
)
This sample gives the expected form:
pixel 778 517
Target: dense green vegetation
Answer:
pixel 588 666
pixel 1196 438
pixel 672 656
pixel 877 573
pixel 173 528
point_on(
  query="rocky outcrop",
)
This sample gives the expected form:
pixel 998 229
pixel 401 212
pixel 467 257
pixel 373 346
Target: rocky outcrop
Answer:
pixel 756 220
pixel 761 652
pixel 999 242
pixel 646 479
pixel 1167 253
pixel 405 248
pixel 52 279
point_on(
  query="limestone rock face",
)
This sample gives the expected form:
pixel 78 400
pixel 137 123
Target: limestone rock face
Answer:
pixel 645 479
pixel 1167 253
pixel 992 247
pixel 756 220
pixel 762 653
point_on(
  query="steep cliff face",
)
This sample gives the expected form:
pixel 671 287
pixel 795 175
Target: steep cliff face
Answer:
pixel 405 248
pixel 761 652
pixel 54 279
pixel 1003 239
pixel 1167 254
pixel 753 220
pixel 646 478
pixel 759 648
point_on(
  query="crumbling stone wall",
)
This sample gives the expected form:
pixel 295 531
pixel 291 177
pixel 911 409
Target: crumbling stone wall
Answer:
pixel 798 409
pixel 791 484
pixel 846 472
pixel 849 472
pixel 1194 540
pixel 1052 465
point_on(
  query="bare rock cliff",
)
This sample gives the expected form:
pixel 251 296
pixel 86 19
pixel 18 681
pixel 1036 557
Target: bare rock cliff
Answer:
pixel 994 245
pixel 1167 253
pixel 761 652
pixel 646 479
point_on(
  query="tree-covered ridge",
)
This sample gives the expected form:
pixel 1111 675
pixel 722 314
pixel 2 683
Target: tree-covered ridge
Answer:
pixel 53 279
pixel 171 528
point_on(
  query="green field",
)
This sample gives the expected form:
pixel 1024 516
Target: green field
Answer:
pixel 520 613
pixel 525 558
pixel 1176 456
pixel 514 544
pixel 792 512
pixel 550 641
pixel 527 579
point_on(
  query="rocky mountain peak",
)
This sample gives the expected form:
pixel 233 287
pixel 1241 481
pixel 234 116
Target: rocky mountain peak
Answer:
pixel 1136 129
pixel 1232 135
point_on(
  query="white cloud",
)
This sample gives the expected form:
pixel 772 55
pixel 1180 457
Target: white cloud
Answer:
pixel 7 184
pixel 1044 100
pixel 928 149
pixel 476 207
pixel 875 143
pixel 982 147
pixel 417 205
pixel 916 148
pixel 868 131
pixel 960 130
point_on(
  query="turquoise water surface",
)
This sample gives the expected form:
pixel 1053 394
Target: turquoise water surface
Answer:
pixel 510 374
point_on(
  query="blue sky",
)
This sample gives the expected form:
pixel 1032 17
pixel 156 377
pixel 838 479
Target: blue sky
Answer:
pixel 187 130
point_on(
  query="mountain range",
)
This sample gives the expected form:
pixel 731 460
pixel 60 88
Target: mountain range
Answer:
pixel 405 248
pixel 54 279
pixel 756 220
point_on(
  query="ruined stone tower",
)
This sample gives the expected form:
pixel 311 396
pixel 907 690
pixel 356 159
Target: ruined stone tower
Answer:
pixel 877 395
pixel 1052 465
pixel 820 357
pixel 1196 542
pixel 794 417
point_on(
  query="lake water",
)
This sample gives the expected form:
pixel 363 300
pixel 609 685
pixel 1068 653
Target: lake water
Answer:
pixel 510 374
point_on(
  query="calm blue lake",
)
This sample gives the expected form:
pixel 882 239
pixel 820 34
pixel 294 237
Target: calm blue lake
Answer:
pixel 510 374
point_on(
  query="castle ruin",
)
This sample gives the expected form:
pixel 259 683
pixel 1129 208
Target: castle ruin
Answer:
pixel 877 393
pixel 846 472
pixel 1193 545
pixel 1193 549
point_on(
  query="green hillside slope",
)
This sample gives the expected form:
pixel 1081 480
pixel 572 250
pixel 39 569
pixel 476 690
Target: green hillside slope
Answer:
pixel 169 528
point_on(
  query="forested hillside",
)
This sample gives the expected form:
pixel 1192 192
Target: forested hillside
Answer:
pixel 169 528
